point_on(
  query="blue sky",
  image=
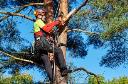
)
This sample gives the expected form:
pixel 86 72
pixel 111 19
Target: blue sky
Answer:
pixel 90 62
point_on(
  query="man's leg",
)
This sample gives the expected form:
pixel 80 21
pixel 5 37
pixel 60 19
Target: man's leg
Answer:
pixel 61 61
pixel 60 58
pixel 58 54
pixel 47 66
pixel 41 48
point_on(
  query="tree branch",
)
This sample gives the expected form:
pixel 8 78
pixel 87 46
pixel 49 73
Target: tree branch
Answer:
pixel 88 72
pixel 74 11
pixel 23 7
pixel 32 4
pixel 80 30
pixel 16 58
pixel 16 14
pixel 5 17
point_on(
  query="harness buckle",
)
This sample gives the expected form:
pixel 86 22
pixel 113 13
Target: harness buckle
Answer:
pixel 38 38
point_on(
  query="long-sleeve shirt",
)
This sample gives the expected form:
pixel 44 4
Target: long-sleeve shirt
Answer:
pixel 39 24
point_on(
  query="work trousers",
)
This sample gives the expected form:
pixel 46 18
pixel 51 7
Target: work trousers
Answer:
pixel 42 47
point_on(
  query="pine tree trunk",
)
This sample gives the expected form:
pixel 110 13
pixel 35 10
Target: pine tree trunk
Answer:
pixel 50 10
pixel 62 37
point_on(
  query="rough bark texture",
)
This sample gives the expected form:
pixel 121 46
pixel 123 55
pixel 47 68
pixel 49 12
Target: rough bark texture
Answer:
pixel 63 38
pixel 63 35
pixel 49 10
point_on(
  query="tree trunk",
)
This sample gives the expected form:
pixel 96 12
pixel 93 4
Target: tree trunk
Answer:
pixel 63 35
pixel 49 8
pixel 63 39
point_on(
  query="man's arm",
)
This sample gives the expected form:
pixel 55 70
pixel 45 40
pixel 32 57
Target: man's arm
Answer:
pixel 48 27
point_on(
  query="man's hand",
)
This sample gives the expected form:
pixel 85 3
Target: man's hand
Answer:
pixel 61 21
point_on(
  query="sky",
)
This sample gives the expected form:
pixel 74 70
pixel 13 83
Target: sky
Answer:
pixel 90 62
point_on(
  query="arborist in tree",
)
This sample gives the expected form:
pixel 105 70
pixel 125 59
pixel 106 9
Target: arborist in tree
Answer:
pixel 42 33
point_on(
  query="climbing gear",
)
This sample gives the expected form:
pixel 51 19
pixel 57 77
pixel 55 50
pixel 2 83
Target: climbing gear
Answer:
pixel 54 64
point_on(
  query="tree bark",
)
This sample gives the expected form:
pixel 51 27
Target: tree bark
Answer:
pixel 63 35
pixel 50 10
pixel 63 39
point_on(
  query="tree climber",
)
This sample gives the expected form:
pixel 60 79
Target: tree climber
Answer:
pixel 42 32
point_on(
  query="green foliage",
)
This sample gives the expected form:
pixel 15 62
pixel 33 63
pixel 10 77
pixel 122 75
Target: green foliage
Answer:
pixel 17 79
pixel 120 80
pixel 10 39
pixel 113 16
pixel 93 80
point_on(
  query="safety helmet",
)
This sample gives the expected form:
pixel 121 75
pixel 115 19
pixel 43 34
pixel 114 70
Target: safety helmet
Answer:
pixel 39 12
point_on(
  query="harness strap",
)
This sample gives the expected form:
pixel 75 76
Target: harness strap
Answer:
pixel 62 44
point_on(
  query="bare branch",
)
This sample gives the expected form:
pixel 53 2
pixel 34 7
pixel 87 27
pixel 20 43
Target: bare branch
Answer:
pixel 23 7
pixel 80 30
pixel 14 57
pixel 88 72
pixel 74 11
pixel 16 14
pixel 32 4
pixel 5 17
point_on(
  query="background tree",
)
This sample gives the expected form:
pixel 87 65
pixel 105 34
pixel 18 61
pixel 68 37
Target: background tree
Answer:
pixel 120 80
pixel 16 78
pixel 113 17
